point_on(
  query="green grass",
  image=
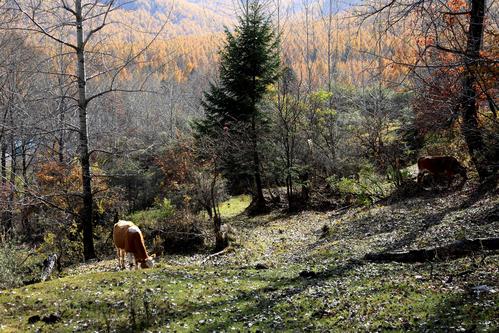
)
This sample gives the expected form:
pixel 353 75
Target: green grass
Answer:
pixel 147 218
pixel 349 297
pixel 228 294
pixel 234 206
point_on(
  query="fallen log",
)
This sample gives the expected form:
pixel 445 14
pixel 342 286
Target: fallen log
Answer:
pixel 450 251
pixel 226 250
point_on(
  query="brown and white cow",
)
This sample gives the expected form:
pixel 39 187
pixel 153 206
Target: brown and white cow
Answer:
pixel 128 239
pixel 438 166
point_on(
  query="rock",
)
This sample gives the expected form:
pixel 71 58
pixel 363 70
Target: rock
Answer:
pixel 261 266
pixel 51 318
pixel 325 231
pixel 483 289
pixel 308 274
pixel 33 319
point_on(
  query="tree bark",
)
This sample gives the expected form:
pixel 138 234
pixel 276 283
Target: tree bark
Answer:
pixel 8 216
pixel 220 242
pixel 86 212
pixel 48 266
pixel 3 164
pixel 62 110
pixel 470 126
pixel 259 204
pixel 3 148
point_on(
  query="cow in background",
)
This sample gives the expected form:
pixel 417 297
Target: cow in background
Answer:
pixel 128 239
pixel 440 166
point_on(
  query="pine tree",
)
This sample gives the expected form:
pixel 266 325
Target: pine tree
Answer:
pixel 249 65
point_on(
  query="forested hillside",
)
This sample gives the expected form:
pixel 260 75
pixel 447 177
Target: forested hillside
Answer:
pixel 285 165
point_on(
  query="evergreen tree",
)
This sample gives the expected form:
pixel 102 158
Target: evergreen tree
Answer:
pixel 249 64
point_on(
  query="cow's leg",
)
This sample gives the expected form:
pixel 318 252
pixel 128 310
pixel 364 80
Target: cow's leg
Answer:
pixel 118 254
pixel 131 260
pixel 134 261
pixel 121 259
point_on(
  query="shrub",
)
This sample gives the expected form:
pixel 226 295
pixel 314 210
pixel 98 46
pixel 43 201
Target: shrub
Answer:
pixel 398 176
pixel 364 190
pixel 10 260
pixel 182 233
pixel 19 265
pixel 62 237
pixel 150 218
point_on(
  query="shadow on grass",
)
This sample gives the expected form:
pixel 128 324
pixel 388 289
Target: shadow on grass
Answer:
pixel 250 223
pixel 409 227
pixel 463 312
pixel 271 300
pixel 257 306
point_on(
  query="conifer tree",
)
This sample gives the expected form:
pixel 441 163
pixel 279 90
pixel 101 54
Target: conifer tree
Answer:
pixel 249 65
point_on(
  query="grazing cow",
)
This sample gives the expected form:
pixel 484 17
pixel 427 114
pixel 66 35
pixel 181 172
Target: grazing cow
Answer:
pixel 437 166
pixel 128 239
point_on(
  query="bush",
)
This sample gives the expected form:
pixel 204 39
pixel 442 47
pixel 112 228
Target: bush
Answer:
pixel 62 237
pixel 182 233
pixel 167 229
pixel 367 188
pixel 398 177
pixel 19 265
pixel 10 276
pixel 152 217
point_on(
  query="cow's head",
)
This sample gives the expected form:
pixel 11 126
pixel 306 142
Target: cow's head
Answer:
pixel 147 263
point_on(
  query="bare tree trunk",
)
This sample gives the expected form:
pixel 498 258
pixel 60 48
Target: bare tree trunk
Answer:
pixel 3 148
pixel 470 127
pixel 8 216
pixel 24 160
pixel 3 163
pixel 62 110
pixel 307 48
pixel 171 107
pixel 86 213
pixel 220 242
pixel 259 204
pixel 450 251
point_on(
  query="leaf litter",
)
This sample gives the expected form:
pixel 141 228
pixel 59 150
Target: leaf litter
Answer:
pixel 284 274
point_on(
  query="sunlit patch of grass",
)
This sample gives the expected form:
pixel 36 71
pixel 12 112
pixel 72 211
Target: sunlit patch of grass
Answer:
pixel 234 206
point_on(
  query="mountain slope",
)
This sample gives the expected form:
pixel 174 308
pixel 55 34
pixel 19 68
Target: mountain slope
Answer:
pixel 202 16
